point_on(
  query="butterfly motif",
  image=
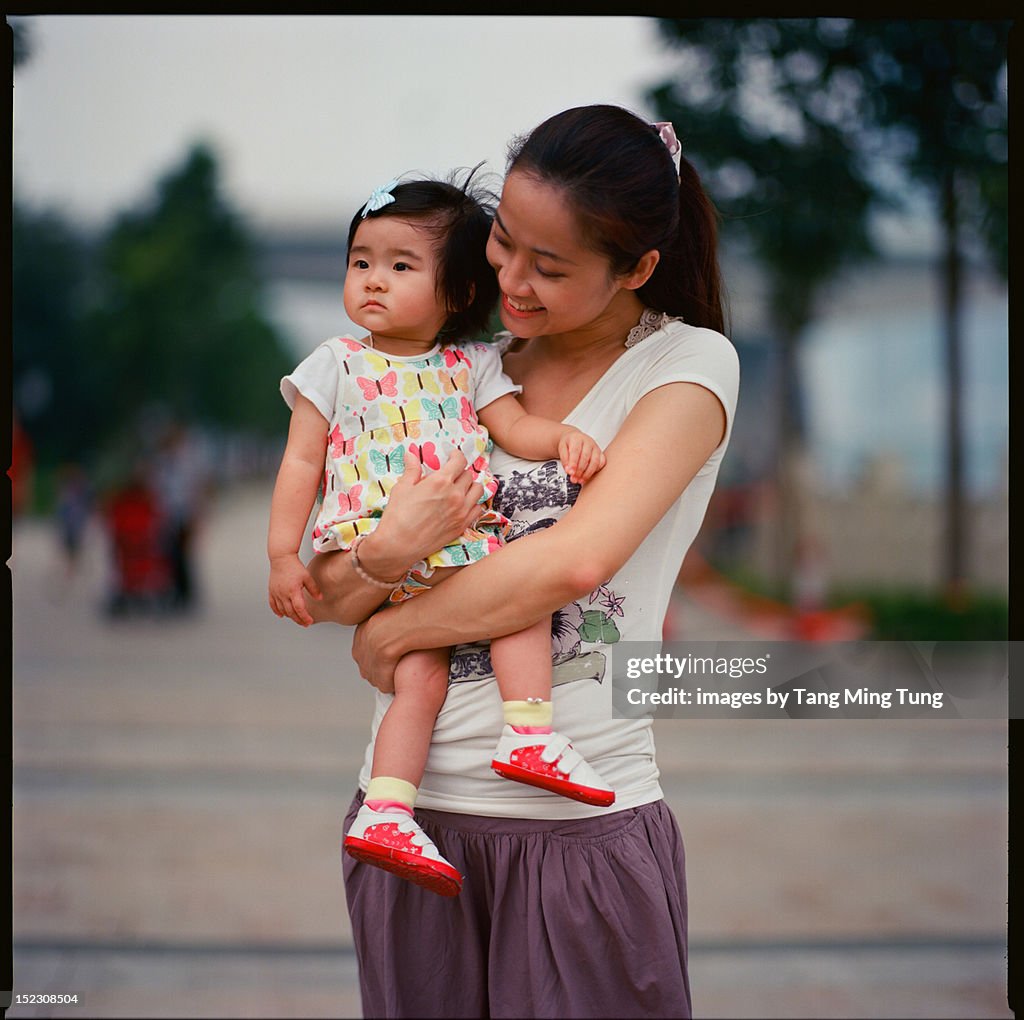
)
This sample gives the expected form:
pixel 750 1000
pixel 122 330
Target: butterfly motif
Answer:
pixel 456 382
pixel 349 471
pixel 340 446
pixel 447 408
pixel 401 427
pixel 452 357
pixel 386 386
pixel 467 415
pixel 377 362
pixel 352 345
pixel 427 454
pixel 468 552
pixel 348 502
pixel 392 463
pixel 415 383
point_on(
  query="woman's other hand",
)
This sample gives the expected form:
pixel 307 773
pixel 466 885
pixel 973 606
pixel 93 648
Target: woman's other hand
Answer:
pixel 376 664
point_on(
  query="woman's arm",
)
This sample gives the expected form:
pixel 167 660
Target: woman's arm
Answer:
pixel 664 442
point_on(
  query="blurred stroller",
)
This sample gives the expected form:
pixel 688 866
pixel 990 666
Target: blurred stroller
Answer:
pixel 141 569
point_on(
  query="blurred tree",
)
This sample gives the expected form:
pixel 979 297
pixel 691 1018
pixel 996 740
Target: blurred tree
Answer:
pixel 21 41
pixel 162 313
pixel 803 127
pixel 178 321
pixel 48 361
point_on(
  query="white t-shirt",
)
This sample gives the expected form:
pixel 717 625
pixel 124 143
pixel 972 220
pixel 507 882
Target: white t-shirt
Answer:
pixel 631 606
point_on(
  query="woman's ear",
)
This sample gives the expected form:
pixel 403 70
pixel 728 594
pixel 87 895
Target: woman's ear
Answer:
pixel 642 273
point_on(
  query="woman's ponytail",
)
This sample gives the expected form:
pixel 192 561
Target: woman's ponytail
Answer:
pixel 687 280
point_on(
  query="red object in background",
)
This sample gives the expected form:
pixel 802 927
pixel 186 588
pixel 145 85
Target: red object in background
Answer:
pixel 141 568
pixel 20 471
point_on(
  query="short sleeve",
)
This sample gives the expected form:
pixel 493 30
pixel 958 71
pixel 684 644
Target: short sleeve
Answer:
pixel 316 378
pixel 489 379
pixel 682 353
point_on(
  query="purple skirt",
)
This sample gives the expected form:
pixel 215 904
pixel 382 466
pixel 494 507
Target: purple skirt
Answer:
pixel 569 918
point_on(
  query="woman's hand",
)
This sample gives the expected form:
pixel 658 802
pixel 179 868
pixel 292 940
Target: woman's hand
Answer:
pixel 376 665
pixel 426 512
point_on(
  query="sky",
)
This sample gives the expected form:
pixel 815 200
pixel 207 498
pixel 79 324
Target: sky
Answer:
pixel 307 114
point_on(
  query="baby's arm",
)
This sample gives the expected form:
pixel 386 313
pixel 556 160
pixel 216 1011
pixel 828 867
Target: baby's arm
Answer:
pixel 534 438
pixel 302 466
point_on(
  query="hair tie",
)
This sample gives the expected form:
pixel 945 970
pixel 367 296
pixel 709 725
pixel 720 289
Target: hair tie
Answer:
pixel 667 133
pixel 381 197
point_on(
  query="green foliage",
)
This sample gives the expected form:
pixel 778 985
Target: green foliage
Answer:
pixel 169 316
pixel 916 616
pixel 180 313
pixel 803 126
pixel 902 614
pixel 764 118
pixel 49 264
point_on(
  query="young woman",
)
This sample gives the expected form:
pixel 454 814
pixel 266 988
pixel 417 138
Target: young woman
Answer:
pixel 605 253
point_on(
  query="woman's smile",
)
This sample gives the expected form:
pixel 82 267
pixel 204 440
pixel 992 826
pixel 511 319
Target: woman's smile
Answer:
pixel 519 308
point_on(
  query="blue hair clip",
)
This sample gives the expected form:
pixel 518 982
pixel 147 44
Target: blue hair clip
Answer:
pixel 381 197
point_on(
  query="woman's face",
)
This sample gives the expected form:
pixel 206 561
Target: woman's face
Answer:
pixel 550 282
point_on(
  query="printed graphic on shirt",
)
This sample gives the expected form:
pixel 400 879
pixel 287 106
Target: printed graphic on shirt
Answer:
pixel 534 500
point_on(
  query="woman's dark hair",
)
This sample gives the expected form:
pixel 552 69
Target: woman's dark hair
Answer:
pixel 620 180
pixel 457 217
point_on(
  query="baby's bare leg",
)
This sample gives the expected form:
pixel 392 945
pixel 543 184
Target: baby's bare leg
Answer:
pixel 403 737
pixel 522 662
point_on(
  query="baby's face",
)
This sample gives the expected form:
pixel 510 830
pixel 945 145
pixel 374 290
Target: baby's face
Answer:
pixel 391 281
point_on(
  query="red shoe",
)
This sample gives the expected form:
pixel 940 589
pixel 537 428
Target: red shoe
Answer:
pixel 549 761
pixel 393 840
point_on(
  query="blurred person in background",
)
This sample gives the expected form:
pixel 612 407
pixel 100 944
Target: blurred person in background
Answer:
pixel 73 513
pixel 180 480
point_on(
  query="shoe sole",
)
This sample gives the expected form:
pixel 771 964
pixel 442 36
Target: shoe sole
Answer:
pixel 433 875
pixel 585 794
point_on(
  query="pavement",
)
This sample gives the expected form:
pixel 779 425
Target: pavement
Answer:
pixel 179 785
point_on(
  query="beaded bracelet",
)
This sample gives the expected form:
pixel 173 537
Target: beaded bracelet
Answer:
pixel 364 574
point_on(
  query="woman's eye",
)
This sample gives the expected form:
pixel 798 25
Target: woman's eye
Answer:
pixel 500 240
pixel 549 275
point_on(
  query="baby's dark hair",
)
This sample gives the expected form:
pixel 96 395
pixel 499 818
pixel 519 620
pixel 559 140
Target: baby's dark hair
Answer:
pixel 457 217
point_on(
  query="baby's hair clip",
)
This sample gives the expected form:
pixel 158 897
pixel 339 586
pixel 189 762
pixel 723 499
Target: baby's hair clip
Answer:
pixel 381 197
pixel 668 135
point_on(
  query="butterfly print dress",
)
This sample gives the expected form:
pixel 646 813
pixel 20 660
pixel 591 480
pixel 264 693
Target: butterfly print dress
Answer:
pixel 386 405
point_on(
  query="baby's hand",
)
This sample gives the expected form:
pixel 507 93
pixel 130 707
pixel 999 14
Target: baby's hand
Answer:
pixel 581 457
pixel 288 579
